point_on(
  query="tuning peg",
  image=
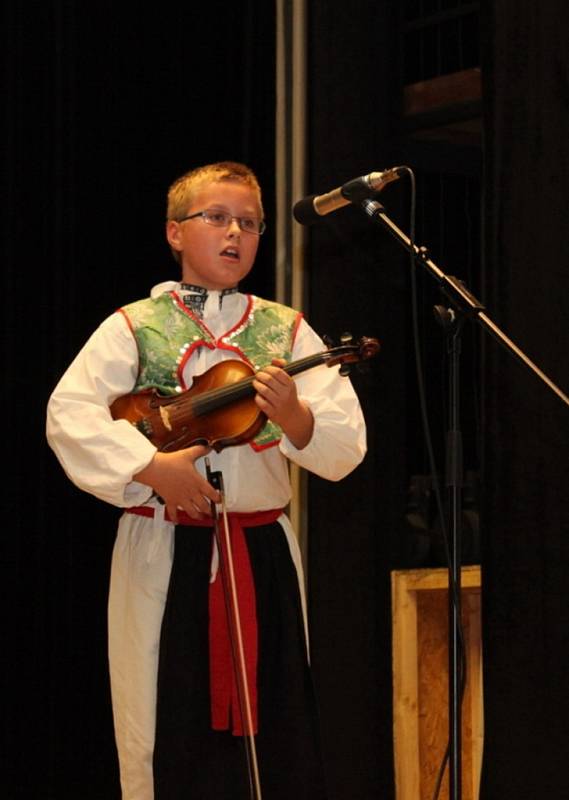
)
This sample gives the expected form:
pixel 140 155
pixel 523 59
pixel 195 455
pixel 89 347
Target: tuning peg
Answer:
pixel 345 370
pixel 346 338
pixel 328 341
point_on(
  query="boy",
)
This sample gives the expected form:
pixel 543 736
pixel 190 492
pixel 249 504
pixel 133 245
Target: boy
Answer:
pixel 176 724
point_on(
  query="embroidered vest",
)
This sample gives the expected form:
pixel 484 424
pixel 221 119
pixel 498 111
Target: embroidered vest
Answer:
pixel 167 334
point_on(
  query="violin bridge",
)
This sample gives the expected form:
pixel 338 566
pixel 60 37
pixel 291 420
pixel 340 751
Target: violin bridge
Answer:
pixel 165 417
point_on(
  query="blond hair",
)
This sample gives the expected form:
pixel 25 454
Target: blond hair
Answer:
pixel 181 193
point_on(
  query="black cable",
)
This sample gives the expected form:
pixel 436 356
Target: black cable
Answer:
pixel 432 464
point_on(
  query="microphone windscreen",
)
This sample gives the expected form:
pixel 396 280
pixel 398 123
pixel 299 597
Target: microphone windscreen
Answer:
pixel 304 211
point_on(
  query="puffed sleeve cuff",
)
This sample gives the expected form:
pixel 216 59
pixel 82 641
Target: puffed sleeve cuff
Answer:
pixel 106 467
pixel 338 442
pixel 136 494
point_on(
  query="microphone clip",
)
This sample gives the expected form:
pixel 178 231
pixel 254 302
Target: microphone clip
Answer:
pixel 357 190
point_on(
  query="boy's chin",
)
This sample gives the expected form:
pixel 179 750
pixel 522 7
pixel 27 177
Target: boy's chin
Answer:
pixel 227 279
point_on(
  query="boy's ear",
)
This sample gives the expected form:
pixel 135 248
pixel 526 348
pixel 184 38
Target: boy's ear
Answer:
pixel 173 234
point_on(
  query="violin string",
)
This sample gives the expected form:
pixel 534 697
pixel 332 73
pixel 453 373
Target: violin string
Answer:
pixel 214 398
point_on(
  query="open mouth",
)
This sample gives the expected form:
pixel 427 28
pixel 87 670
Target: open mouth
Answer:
pixel 231 252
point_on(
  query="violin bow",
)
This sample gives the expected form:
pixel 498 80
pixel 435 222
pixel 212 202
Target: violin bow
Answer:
pixel 223 542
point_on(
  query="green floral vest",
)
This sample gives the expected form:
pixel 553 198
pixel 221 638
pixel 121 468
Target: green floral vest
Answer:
pixel 167 334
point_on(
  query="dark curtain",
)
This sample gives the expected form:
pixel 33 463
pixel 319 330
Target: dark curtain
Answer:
pixel 104 105
pixel 358 284
pixel 526 474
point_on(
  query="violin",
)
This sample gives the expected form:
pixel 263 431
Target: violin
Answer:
pixel 219 409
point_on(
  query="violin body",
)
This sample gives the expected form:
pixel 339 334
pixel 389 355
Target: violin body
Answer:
pixel 174 422
pixel 219 409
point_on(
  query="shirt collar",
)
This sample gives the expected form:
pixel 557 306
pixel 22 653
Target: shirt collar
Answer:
pixel 213 302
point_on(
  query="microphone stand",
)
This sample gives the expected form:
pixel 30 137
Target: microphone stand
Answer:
pixel 467 307
pixel 452 324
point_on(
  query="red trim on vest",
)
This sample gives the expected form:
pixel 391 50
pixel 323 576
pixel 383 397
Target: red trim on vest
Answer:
pixel 244 318
pixel 225 706
pixel 298 320
pixel 127 319
pixel 258 448
pixel 194 345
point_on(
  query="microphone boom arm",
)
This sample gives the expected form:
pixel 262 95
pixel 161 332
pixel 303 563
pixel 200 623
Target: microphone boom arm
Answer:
pixel 457 293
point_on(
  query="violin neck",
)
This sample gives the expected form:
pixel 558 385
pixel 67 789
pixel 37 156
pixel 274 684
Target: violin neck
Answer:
pixel 295 367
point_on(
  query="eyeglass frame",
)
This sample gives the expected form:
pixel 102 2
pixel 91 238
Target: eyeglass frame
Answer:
pixel 262 223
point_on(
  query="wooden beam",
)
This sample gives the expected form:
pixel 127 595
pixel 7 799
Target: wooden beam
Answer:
pixel 448 107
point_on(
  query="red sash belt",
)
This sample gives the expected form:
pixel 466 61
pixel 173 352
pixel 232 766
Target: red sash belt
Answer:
pixel 225 709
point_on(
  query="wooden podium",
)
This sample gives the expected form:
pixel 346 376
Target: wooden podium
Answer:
pixel 420 681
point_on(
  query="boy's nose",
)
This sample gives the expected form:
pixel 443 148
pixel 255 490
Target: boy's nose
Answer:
pixel 234 228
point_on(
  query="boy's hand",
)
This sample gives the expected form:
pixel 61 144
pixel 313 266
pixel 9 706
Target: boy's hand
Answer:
pixel 175 479
pixel 278 399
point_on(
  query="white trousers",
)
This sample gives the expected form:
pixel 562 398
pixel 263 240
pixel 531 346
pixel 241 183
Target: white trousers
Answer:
pixel 140 573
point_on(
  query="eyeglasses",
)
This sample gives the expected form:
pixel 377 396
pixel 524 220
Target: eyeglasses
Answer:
pixel 222 219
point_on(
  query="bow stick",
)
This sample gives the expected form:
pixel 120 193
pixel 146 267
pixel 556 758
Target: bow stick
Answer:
pixel 223 542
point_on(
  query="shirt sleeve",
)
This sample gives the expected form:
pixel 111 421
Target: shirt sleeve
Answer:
pixel 338 442
pixel 99 454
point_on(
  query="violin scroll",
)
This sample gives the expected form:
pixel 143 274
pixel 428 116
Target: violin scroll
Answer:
pixel 347 353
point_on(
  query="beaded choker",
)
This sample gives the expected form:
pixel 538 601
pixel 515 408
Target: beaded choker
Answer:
pixel 197 296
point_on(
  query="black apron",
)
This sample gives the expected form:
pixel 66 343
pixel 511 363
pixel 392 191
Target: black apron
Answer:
pixel 194 762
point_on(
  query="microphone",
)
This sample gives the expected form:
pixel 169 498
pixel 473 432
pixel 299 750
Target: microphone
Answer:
pixel 311 208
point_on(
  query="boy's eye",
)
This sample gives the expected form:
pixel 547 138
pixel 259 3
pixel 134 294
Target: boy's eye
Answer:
pixel 222 219
pixel 218 217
